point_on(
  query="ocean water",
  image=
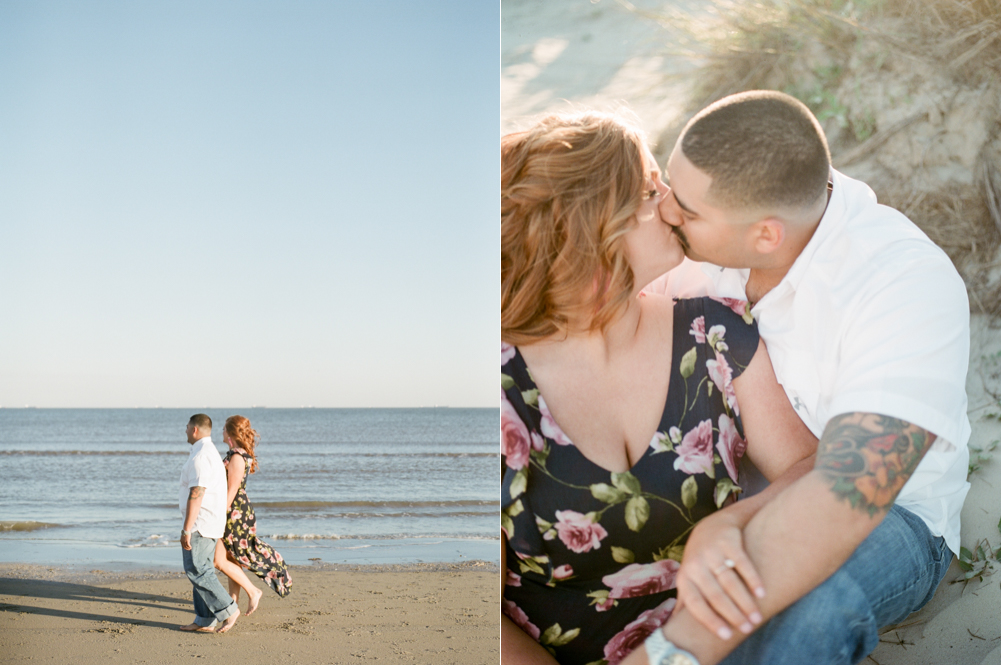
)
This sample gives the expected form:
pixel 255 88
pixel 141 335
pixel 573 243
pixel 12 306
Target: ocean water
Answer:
pixel 98 487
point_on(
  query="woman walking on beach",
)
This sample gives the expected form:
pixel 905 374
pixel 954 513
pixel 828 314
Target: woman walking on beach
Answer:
pixel 240 545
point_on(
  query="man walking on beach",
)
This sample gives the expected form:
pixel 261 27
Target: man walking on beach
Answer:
pixel 202 501
pixel 867 326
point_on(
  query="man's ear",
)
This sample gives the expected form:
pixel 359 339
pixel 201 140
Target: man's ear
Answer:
pixel 768 235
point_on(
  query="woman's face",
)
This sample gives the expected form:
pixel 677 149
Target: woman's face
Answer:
pixel 226 439
pixel 651 245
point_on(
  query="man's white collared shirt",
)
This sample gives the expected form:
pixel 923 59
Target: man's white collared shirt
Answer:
pixel 873 317
pixel 204 468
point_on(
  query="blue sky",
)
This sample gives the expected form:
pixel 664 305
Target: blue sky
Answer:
pixel 249 203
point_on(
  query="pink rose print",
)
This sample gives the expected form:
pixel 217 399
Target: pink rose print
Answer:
pixel 515 442
pixel 605 605
pixel 235 514
pixel 520 619
pixel 722 376
pixel 538 443
pixel 737 306
pixel 563 572
pixel 549 426
pixel 715 337
pixel 642 579
pixel 731 446
pixel 699 330
pixel 578 532
pixel 513 578
pixel 243 543
pixel 695 454
pixel 507 352
pixel 636 632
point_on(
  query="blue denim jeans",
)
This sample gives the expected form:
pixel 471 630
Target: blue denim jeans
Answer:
pixel 894 572
pixel 212 602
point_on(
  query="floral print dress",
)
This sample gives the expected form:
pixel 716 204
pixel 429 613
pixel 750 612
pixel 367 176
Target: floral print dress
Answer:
pixel 240 538
pixel 591 554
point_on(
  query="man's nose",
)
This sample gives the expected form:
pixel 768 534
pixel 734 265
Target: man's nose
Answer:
pixel 670 212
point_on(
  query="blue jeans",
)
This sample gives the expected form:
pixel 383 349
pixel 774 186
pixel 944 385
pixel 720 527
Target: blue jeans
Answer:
pixel 212 602
pixel 894 572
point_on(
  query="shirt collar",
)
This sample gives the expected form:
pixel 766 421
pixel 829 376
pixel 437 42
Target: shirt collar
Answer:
pixel 200 444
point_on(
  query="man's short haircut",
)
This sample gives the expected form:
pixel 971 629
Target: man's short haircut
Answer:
pixel 763 150
pixel 201 421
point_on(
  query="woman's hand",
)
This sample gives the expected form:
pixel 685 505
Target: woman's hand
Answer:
pixel 717 581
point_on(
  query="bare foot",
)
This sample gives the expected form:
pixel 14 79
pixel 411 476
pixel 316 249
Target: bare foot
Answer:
pixel 254 600
pixel 229 623
pixel 195 628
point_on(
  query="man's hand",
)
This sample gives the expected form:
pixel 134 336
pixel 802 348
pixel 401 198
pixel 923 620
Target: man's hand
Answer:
pixel 185 541
pixel 717 581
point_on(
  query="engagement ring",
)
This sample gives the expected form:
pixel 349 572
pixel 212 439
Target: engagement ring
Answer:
pixel 728 564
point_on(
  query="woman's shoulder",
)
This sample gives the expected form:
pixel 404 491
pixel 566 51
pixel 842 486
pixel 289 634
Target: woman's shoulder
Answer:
pixel 721 310
pixel 725 324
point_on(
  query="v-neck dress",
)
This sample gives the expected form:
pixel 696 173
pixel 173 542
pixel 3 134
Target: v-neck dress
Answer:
pixel 591 554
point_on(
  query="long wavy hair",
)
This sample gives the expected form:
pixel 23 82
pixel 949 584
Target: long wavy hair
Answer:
pixel 570 187
pixel 244 436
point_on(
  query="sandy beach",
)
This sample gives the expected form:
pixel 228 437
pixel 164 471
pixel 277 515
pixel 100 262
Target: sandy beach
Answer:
pixel 421 613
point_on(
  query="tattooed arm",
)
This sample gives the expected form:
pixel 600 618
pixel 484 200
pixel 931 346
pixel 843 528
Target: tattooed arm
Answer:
pixel 814 525
pixel 867 458
pixel 195 496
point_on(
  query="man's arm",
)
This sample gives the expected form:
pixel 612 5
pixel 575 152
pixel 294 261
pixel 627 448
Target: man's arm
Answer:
pixel 783 449
pixel 195 496
pixel 813 526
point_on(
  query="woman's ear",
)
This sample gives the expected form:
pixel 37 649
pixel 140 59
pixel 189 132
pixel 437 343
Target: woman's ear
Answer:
pixel 768 235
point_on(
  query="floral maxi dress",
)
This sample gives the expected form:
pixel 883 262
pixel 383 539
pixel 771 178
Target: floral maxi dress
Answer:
pixel 591 554
pixel 241 541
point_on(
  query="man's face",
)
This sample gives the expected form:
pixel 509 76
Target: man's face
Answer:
pixel 708 233
pixel 191 431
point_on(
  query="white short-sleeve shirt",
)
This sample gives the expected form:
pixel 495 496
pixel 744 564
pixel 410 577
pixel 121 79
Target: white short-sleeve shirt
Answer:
pixel 873 317
pixel 204 468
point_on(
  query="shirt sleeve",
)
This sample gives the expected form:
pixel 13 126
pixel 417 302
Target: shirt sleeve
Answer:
pixel 906 349
pixel 201 473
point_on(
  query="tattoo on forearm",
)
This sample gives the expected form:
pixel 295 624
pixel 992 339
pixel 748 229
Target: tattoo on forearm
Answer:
pixel 196 493
pixel 869 457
